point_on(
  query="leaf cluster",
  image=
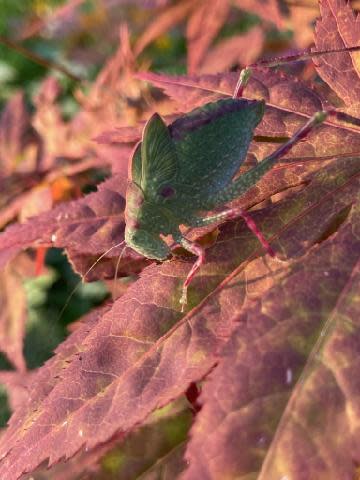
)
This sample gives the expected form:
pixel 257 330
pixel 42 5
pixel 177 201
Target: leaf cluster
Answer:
pixel 259 378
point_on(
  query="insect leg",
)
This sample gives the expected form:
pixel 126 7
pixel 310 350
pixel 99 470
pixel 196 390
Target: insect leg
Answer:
pixel 244 77
pixel 250 178
pixel 235 213
pixel 200 253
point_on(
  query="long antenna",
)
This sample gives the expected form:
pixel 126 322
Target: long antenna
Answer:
pixel 304 55
pixel 117 269
pixel 246 73
pixel 85 274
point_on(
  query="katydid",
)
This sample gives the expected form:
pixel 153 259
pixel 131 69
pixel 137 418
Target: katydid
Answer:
pixel 180 171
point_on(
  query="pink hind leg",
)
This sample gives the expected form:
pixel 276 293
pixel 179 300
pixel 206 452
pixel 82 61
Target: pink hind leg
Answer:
pixel 200 251
pixel 236 212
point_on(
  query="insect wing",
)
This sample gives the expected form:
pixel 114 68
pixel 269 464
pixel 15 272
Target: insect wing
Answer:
pixel 159 163
pixel 134 172
pixel 211 144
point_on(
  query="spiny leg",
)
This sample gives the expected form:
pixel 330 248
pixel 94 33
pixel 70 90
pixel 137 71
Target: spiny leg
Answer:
pixel 250 178
pixel 234 212
pixel 243 183
pixel 231 214
pixel 200 253
pixel 237 188
pixel 240 186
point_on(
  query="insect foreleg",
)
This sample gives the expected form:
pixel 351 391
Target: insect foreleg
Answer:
pixel 200 253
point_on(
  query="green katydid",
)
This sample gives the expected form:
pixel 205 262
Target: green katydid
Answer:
pixel 196 158
pixel 163 176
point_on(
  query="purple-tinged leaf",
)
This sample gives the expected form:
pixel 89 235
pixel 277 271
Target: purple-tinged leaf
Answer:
pixel 276 405
pixel 142 353
pixel 120 135
pixel 89 226
pixel 339 27
pixel 155 449
pixel 301 18
pixel 13 199
pixel 17 385
pixel 45 379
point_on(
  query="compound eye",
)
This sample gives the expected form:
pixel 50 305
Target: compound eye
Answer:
pixel 167 191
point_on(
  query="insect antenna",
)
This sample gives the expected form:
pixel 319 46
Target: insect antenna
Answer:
pixel 300 56
pixel 246 73
pixel 87 273
pixel 116 271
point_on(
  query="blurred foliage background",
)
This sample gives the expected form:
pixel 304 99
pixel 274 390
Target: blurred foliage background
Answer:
pixel 38 37
pixel 47 294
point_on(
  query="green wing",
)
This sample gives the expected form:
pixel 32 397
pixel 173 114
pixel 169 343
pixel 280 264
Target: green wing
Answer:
pixel 211 144
pixel 135 165
pixel 187 165
pixel 159 163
